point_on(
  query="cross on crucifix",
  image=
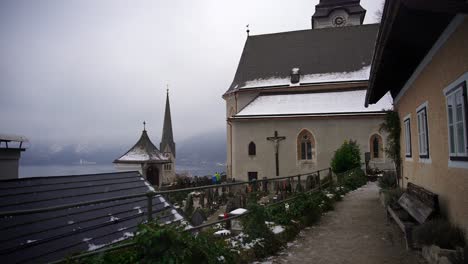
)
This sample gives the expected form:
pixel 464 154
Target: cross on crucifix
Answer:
pixel 276 139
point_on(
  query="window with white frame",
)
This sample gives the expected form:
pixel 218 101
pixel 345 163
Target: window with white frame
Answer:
pixel 457 121
pixel 407 125
pixel 423 137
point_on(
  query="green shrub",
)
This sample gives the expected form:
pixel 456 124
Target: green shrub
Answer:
pixel 168 244
pixel 255 227
pixel 305 209
pixel 439 232
pixel 124 256
pixel 353 179
pixel 347 157
pixel 388 180
pixel 324 202
pixel 254 223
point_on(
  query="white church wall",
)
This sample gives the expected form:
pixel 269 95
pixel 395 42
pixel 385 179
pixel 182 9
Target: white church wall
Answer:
pixel 329 134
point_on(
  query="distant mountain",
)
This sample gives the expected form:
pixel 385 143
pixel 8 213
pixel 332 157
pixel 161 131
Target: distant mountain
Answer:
pixel 204 148
pixel 207 148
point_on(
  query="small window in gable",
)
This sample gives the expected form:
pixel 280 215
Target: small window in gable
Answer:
pixel 457 121
pixel 252 149
pixel 305 145
pixel 423 137
pixel 407 126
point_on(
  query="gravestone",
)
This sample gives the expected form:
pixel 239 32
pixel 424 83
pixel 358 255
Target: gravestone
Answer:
pixel 198 217
pixel 309 183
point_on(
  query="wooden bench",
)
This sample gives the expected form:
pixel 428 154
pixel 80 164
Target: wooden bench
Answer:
pixel 414 207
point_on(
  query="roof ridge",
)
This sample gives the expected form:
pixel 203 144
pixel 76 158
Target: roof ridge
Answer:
pixel 314 29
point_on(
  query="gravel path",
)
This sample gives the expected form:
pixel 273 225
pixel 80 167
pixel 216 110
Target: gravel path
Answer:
pixel 355 232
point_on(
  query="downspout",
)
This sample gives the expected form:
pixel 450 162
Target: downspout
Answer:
pixel 230 147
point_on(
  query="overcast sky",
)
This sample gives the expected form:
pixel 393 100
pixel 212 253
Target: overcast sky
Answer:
pixel 90 71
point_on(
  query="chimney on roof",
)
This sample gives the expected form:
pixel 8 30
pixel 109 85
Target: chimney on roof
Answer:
pixel 295 75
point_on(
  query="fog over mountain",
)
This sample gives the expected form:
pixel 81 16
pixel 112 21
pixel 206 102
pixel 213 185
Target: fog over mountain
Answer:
pixel 78 78
pixel 200 149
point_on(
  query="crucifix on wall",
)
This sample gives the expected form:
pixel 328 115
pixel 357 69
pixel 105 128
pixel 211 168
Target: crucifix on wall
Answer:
pixel 276 139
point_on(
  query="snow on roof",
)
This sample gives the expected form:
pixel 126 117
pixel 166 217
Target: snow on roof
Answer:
pixel 142 152
pixel 336 102
pixel 359 75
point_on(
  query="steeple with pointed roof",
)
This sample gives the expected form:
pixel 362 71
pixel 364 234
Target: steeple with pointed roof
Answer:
pixel 167 142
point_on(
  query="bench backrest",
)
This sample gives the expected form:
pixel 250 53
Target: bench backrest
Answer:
pixel 419 202
pixel 427 197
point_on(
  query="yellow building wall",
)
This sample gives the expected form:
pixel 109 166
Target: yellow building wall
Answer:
pixel 451 184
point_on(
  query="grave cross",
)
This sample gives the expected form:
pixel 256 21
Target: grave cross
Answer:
pixel 276 139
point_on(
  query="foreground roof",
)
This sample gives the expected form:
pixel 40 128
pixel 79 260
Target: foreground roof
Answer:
pixel 50 236
pixel 320 103
pixel 144 151
pixel 267 60
pixel 402 45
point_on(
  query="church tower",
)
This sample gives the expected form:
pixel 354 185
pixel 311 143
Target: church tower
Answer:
pixel 167 145
pixel 338 13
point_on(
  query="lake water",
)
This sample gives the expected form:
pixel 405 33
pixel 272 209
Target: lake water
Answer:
pixel 60 170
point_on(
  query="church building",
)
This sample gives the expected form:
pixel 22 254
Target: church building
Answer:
pixel 156 165
pixel 297 96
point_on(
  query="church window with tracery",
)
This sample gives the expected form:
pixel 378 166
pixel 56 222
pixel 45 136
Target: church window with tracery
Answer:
pixel 305 145
pixel 376 146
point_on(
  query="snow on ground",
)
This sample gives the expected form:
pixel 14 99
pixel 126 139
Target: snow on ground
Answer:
pixel 223 232
pixel 277 229
pixel 238 211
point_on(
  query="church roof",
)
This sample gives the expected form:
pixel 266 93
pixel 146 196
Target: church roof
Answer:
pixel 49 236
pixel 144 151
pixel 317 103
pixel 267 60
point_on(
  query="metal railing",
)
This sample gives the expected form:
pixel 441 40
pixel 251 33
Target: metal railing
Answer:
pixel 151 194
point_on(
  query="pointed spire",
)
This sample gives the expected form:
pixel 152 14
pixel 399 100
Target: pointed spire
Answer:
pixel 167 137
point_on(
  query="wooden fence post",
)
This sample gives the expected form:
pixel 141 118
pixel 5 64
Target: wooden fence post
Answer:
pixel 299 186
pixel 150 207
pixel 319 181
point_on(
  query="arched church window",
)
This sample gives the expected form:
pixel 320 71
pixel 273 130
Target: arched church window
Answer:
pixel 252 149
pixel 305 145
pixel 376 146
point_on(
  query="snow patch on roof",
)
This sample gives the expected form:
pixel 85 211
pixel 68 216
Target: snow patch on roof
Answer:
pixel 314 103
pixel 359 75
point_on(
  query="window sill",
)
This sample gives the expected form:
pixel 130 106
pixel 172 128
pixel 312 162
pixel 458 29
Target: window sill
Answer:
pixel 458 164
pixel 425 160
pixel 306 162
pixel 409 159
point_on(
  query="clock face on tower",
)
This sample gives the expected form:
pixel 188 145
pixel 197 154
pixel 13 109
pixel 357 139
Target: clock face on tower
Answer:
pixel 339 21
